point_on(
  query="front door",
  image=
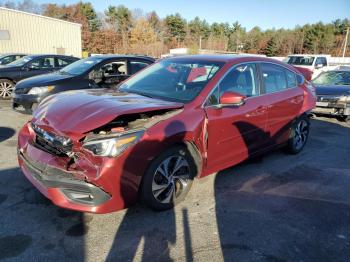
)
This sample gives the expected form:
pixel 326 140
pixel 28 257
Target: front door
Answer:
pixel 236 132
pixel 38 66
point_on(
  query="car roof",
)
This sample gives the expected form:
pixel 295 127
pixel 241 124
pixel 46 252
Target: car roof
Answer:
pixel 226 58
pixel 44 55
pixel 112 56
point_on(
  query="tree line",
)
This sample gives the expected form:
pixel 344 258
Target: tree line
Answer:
pixel 121 30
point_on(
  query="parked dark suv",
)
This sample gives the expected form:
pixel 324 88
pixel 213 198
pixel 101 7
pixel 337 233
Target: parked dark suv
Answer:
pixel 29 66
pixel 102 71
pixel 9 58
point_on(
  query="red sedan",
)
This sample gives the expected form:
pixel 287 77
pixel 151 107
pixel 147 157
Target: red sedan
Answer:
pixel 179 119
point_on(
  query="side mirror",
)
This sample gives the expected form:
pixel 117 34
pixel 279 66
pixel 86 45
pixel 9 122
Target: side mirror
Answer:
pixel 319 66
pixel 232 99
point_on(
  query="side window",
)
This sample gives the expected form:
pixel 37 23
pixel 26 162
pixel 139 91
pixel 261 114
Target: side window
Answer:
pixel 321 61
pixel 108 70
pixel 43 63
pixel 114 68
pixel 63 62
pixel 240 79
pixel 8 59
pixel 136 66
pixel 318 61
pixel 274 78
pixel 291 79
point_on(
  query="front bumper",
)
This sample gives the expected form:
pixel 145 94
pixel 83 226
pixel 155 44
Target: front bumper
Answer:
pixel 75 190
pixel 23 103
pixel 335 109
pixel 87 184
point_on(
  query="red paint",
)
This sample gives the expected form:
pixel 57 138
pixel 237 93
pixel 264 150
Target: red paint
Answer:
pixel 234 133
pixel 307 73
pixel 231 98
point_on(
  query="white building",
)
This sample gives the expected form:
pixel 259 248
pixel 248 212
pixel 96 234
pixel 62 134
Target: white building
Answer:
pixel 22 32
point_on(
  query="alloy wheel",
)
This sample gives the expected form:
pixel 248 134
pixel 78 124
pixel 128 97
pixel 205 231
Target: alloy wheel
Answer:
pixel 301 133
pixel 170 179
pixel 6 89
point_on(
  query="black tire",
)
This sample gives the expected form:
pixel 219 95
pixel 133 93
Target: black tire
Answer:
pixel 343 118
pixel 6 88
pixel 299 135
pixel 153 179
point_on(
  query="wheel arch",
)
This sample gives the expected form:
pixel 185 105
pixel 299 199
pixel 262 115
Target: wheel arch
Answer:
pixel 7 78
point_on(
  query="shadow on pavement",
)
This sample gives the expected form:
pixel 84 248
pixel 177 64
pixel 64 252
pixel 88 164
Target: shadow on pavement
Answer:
pixel 6 133
pixel 32 227
pixel 288 208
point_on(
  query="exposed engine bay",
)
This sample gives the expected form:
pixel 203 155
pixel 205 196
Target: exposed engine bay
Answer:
pixel 129 122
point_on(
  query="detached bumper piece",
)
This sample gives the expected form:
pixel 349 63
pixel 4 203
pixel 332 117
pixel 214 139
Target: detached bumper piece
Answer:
pixel 332 109
pixel 75 190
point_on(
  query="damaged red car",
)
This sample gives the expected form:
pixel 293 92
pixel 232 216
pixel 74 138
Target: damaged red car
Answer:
pixel 179 119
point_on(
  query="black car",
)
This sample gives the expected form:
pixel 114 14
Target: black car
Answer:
pixel 333 94
pixel 29 66
pixel 104 71
pixel 9 58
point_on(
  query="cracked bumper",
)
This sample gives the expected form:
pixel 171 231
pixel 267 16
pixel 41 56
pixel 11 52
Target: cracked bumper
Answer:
pixel 93 185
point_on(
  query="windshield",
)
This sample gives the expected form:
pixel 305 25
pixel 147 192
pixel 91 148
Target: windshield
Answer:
pixel 22 61
pixel 301 60
pixel 172 80
pixel 81 66
pixel 333 78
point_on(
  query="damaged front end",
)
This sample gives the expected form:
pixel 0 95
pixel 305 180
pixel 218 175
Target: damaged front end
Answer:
pixel 115 137
pixel 86 172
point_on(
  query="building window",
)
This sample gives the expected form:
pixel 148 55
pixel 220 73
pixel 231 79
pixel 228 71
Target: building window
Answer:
pixel 4 35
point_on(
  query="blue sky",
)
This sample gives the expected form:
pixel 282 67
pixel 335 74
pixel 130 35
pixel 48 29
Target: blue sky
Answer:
pixel 250 13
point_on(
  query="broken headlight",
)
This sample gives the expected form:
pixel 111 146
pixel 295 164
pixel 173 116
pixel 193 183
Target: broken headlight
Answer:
pixel 113 146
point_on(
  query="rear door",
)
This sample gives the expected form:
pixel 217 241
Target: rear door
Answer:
pixel 285 100
pixel 235 133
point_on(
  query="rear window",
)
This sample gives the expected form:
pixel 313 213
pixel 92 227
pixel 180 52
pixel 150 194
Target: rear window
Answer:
pixel 274 78
pixel 291 79
pixel 301 60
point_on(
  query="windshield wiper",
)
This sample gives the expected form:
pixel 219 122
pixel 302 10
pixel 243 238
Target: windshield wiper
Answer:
pixel 138 93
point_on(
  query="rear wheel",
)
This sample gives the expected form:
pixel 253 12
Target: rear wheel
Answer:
pixel 299 135
pixel 6 88
pixel 168 179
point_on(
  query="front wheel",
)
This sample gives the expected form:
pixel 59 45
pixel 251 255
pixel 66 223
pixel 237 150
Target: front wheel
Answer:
pixel 343 118
pixel 168 179
pixel 6 88
pixel 299 135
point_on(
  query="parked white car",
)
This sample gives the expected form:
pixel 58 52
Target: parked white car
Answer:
pixel 316 63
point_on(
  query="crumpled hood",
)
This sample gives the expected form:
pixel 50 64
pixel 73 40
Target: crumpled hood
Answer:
pixel 77 112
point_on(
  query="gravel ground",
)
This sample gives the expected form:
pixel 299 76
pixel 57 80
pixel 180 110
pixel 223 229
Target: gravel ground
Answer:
pixel 275 208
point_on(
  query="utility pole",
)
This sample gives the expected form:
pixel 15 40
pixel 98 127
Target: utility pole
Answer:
pixel 346 41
